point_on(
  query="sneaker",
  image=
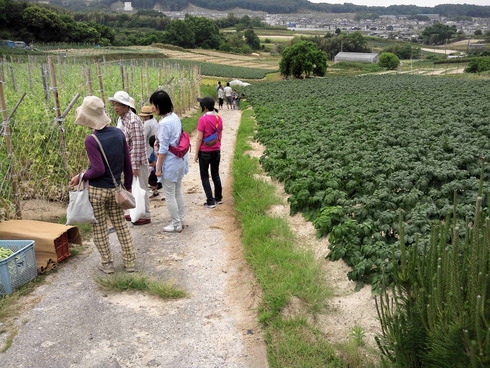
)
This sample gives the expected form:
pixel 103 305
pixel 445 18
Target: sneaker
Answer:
pixel 106 267
pixel 172 229
pixel 154 195
pixel 207 205
pixel 219 202
pixel 127 217
pixel 129 268
pixel 142 222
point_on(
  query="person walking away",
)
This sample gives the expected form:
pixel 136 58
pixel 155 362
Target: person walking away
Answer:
pixel 221 96
pixel 170 168
pixel 92 114
pixel 208 146
pixel 132 127
pixel 228 91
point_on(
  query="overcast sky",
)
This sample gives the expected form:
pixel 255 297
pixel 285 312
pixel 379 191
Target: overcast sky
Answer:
pixel 405 2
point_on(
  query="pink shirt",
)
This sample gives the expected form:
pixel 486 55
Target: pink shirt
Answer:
pixel 207 125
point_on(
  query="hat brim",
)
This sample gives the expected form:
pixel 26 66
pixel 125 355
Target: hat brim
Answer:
pixel 112 99
pixel 94 122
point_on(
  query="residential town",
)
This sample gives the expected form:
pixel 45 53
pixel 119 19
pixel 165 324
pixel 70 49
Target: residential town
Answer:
pixel 384 26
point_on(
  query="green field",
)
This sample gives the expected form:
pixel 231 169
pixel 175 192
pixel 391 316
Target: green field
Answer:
pixel 353 151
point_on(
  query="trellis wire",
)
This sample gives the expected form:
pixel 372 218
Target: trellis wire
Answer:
pixel 46 147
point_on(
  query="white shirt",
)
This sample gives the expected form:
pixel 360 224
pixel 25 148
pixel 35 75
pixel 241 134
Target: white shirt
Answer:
pixel 228 91
pixel 150 128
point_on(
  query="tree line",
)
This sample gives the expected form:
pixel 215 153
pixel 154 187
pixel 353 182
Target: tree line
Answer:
pixel 290 6
pixel 43 23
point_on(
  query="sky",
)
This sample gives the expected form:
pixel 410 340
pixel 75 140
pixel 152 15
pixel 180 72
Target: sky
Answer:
pixel 429 3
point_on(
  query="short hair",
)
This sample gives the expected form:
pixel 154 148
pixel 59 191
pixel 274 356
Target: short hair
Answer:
pixel 151 140
pixel 162 100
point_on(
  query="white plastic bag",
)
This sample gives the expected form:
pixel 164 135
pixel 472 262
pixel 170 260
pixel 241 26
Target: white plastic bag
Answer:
pixel 80 209
pixel 139 194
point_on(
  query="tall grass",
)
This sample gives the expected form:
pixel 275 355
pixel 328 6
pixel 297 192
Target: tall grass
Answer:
pixel 283 271
pixel 439 314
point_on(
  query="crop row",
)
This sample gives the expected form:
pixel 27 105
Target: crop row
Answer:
pixel 37 138
pixel 227 71
pixel 354 151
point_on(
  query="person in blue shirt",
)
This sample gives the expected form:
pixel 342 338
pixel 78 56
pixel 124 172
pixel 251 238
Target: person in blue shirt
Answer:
pixel 152 160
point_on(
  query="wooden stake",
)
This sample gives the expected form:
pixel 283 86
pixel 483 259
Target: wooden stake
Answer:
pixel 101 82
pixel 29 71
pixel 57 113
pixel 89 81
pixel 8 143
pixel 122 75
pixel 141 84
pixel 147 79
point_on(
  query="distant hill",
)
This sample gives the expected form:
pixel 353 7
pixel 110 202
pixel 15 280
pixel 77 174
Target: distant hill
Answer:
pixel 280 6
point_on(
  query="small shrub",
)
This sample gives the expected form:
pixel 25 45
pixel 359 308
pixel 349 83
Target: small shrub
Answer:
pixel 389 61
pixel 478 65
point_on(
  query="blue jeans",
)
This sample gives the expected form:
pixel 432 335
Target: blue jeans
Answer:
pixel 207 159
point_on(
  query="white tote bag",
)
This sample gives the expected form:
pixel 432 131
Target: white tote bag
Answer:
pixel 80 209
pixel 139 194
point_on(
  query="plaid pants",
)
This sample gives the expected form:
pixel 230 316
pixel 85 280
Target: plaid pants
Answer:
pixel 105 206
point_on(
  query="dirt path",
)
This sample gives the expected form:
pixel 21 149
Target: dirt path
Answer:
pixel 70 322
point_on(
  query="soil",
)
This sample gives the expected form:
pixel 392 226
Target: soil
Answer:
pixel 69 321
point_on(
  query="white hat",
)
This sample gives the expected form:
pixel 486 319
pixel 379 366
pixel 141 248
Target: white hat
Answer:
pixel 123 98
pixel 92 113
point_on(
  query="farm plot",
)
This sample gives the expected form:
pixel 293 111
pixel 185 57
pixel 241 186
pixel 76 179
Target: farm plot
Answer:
pixel 46 150
pixel 359 153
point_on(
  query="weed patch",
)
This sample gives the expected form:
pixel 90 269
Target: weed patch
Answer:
pixel 126 282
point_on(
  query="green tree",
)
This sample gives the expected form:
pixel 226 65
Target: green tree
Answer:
pixel 252 39
pixel 43 24
pixel 303 58
pixel 388 60
pixel 438 33
pixel 478 65
pixel 206 32
pixel 354 42
pixel 478 32
pixel 179 34
pixel 486 36
pixel 404 50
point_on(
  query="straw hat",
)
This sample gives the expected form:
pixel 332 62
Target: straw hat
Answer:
pixel 92 113
pixel 146 111
pixel 123 98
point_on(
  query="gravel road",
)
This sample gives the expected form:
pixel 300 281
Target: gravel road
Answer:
pixel 70 322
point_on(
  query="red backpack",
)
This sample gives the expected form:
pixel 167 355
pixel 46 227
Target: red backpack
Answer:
pixel 183 147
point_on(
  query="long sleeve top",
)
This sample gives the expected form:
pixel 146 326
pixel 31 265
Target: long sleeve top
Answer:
pixel 132 126
pixel 169 130
pixel 117 152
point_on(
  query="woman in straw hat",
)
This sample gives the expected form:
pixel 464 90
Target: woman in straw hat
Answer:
pixel 92 114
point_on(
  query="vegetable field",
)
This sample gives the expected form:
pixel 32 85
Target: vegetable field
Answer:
pixel 46 148
pixel 359 153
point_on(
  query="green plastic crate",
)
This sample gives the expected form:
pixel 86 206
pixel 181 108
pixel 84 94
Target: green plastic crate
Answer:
pixel 20 267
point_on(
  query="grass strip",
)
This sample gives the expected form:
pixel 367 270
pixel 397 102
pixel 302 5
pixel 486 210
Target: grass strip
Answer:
pixel 283 270
pixel 125 282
